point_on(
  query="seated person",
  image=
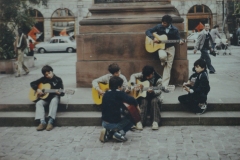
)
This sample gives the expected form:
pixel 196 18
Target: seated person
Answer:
pixel 114 125
pixel 52 100
pixel 153 96
pixel 197 88
pixel 114 70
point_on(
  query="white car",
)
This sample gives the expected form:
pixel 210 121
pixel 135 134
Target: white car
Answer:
pixel 57 43
pixel 191 40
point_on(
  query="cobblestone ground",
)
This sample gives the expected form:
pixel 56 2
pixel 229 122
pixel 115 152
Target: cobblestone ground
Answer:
pixel 80 143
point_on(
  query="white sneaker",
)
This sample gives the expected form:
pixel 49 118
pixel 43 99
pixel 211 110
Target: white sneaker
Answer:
pixel 139 126
pixel 155 126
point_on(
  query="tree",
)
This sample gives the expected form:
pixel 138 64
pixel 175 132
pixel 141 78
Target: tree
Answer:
pixel 14 14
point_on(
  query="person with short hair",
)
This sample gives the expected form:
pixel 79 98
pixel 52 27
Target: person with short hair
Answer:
pixel 52 100
pixel 198 88
pixel 166 56
pixel 114 125
pixel 114 70
pixel 31 47
pixel 205 43
pixel 153 96
pixel 20 45
pixel 214 34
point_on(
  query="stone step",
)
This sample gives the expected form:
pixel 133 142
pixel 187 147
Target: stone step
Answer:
pixel 94 118
pixel 93 107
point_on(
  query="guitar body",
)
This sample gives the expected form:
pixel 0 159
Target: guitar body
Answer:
pixel 137 94
pixel 96 97
pixel 153 47
pixel 133 113
pixel 33 94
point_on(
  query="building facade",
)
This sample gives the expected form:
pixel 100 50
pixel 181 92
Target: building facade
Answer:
pixel 62 17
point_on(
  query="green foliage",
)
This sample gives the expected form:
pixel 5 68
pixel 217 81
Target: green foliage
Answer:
pixel 14 14
pixel 237 8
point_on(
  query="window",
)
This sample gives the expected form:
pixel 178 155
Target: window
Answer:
pixel 62 41
pixel 54 41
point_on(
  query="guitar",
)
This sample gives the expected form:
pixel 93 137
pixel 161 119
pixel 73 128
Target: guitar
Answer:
pixel 151 47
pixel 132 112
pixel 46 89
pixel 97 98
pixel 146 86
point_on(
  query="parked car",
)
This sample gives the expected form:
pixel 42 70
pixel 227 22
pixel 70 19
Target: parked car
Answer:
pixel 192 39
pixel 57 43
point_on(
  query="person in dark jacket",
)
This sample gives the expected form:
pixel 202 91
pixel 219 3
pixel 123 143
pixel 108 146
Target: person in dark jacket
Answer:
pixel 197 88
pixel 112 105
pixel 52 100
pixel 166 56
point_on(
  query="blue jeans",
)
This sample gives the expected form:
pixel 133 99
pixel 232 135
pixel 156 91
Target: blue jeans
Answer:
pixel 207 58
pixel 124 125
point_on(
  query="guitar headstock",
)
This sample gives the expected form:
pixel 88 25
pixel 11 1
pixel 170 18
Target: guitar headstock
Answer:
pixel 69 91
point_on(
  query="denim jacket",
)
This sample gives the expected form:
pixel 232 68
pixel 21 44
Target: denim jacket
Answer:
pixel 173 33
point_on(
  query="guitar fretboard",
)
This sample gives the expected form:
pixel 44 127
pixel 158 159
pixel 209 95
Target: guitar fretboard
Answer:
pixel 153 88
pixel 52 90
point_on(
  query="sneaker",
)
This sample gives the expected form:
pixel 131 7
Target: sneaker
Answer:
pixel 211 72
pixel 155 126
pixel 119 137
pixel 139 126
pixel 17 75
pixel 27 73
pixel 105 135
pixel 49 127
pixel 41 127
pixel 203 108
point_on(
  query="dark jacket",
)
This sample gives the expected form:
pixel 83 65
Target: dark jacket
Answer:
pixel 201 86
pixel 55 82
pixel 173 33
pixel 112 103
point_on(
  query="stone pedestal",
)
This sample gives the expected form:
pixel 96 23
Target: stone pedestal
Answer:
pixel 117 34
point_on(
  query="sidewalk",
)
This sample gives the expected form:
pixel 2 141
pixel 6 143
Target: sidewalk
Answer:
pixel 225 84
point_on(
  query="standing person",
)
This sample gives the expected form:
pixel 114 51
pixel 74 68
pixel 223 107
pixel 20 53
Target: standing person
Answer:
pixel 20 46
pixel 203 43
pixel 238 36
pixel 114 70
pixel 52 100
pixel 114 125
pixel 166 56
pixel 153 96
pixel 214 34
pixel 197 88
pixel 31 47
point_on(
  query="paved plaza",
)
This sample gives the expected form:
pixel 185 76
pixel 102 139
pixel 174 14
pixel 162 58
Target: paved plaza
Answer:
pixel 80 143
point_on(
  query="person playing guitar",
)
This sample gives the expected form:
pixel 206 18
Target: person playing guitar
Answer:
pixel 113 101
pixel 166 56
pixel 114 70
pixel 52 100
pixel 153 96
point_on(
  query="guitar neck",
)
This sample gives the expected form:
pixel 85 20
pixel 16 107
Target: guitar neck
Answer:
pixel 170 41
pixel 52 90
pixel 153 88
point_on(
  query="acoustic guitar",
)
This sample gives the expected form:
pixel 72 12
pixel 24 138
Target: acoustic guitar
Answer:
pixel 152 47
pixel 146 86
pixel 132 112
pixel 46 89
pixel 97 98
